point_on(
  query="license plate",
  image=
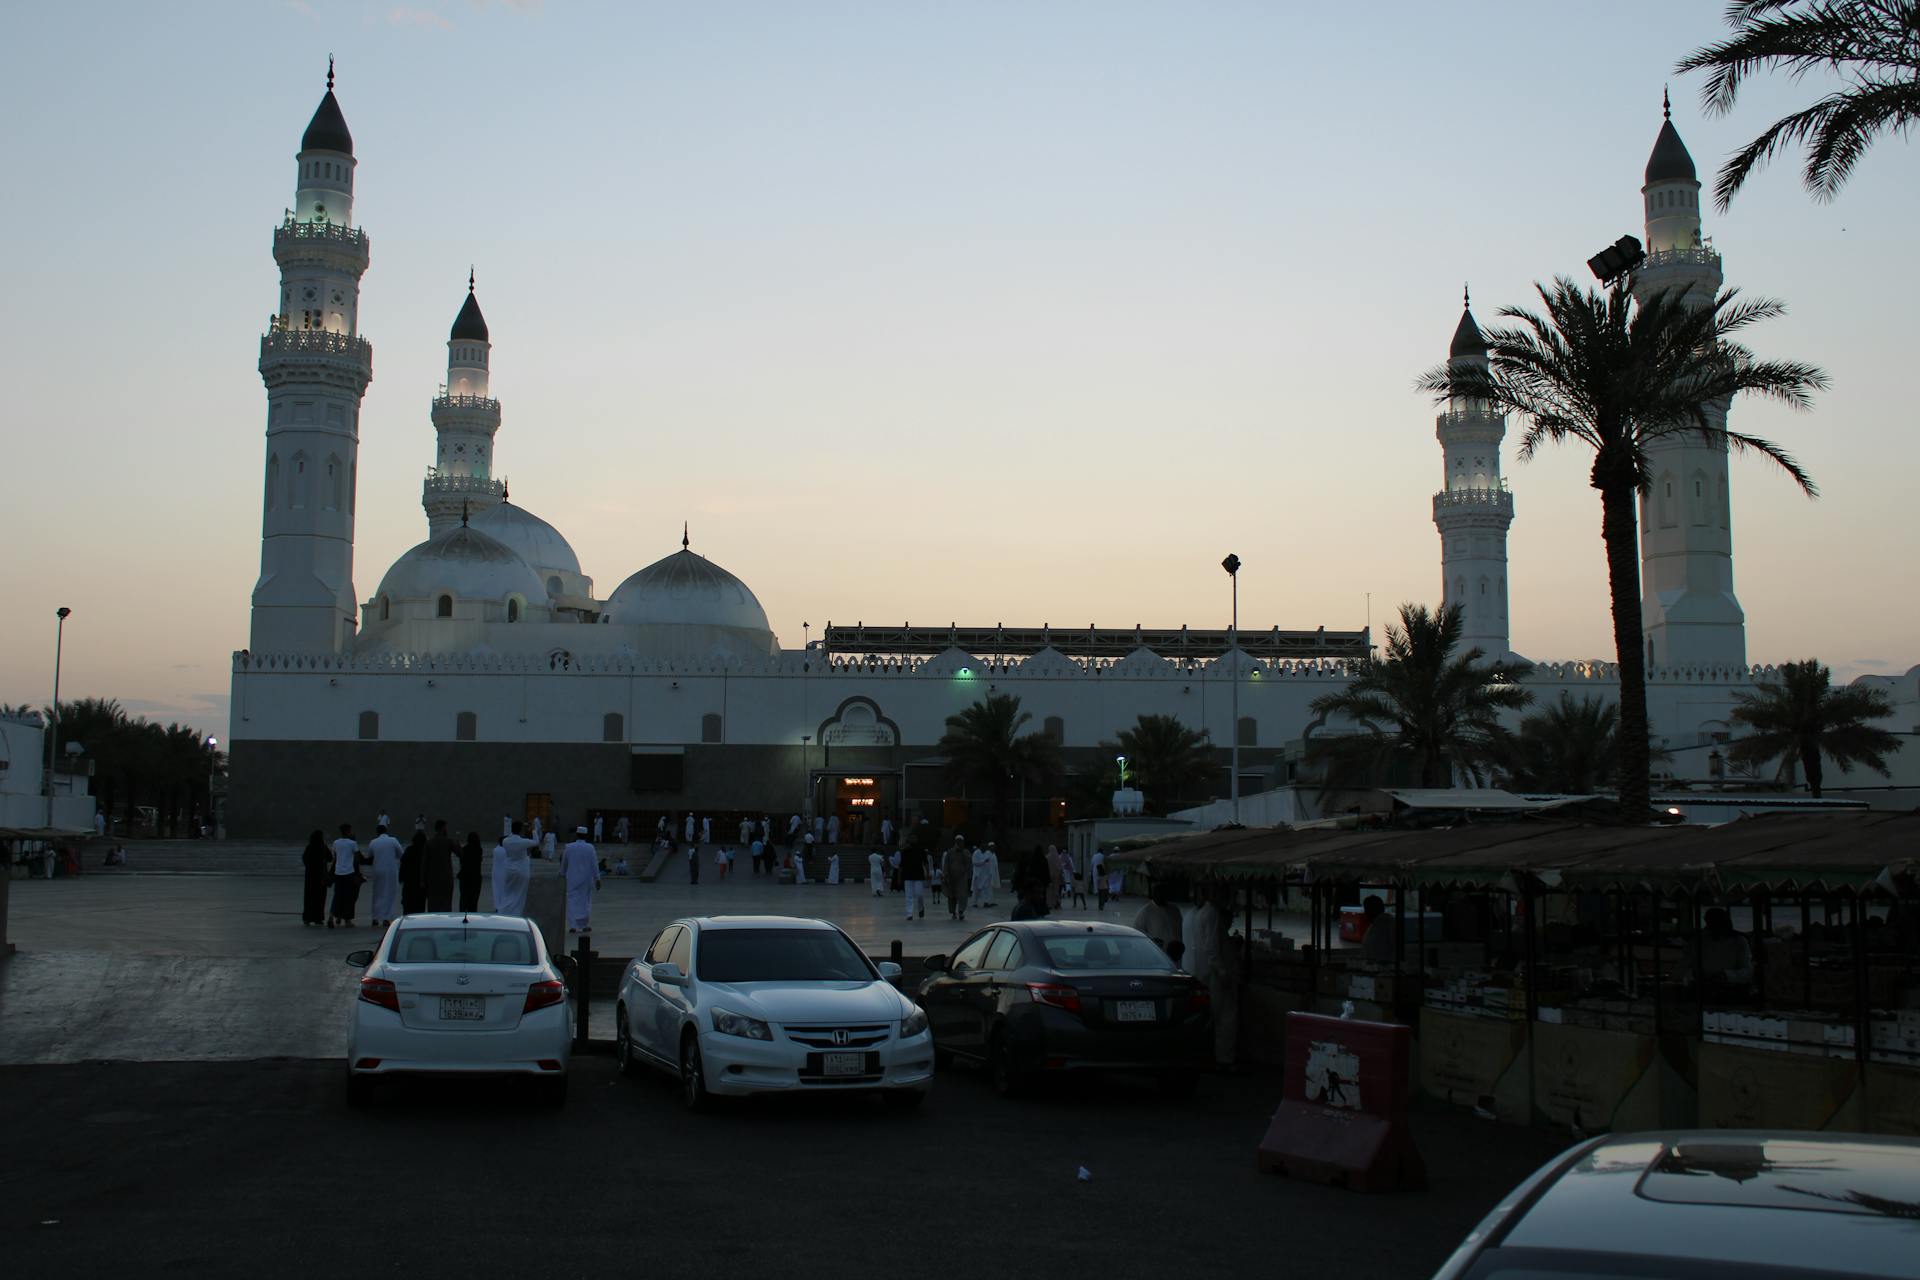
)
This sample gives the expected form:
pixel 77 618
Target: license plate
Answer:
pixel 843 1064
pixel 1133 1011
pixel 463 1008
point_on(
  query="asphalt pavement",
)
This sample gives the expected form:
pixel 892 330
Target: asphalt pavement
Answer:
pixel 252 1168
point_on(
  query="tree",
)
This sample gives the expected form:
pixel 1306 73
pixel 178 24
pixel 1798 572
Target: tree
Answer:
pixel 1800 718
pixel 985 749
pixel 1571 747
pixel 1871 46
pixel 1166 758
pixel 1620 376
pixel 1420 702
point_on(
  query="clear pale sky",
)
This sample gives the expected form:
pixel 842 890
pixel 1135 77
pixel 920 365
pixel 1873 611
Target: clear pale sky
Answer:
pixel 1009 312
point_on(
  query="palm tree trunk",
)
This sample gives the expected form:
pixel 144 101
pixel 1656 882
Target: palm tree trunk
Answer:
pixel 1810 757
pixel 1619 528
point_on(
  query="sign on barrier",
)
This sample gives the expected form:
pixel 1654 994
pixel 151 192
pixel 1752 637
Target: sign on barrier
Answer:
pixel 1343 1110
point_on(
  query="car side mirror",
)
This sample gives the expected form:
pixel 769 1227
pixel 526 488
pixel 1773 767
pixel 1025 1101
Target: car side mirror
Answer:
pixel 359 959
pixel 936 964
pixel 668 974
pixel 889 970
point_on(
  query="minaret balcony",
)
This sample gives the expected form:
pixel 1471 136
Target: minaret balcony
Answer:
pixel 324 243
pixel 1695 257
pixel 320 348
pixel 1466 502
pixel 486 404
pixel 462 486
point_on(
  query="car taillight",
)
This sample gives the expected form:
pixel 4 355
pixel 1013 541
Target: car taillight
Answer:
pixel 381 992
pixel 1055 994
pixel 542 994
pixel 1198 1000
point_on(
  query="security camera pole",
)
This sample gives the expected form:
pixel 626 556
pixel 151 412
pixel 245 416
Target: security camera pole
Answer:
pixel 1232 565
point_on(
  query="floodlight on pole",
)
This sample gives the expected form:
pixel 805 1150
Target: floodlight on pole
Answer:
pixel 1618 258
pixel 53 727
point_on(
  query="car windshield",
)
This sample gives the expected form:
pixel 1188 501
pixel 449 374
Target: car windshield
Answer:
pixel 1094 951
pixel 458 945
pixel 781 955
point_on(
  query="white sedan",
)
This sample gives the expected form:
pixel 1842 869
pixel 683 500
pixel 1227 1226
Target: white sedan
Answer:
pixel 735 1005
pixel 453 993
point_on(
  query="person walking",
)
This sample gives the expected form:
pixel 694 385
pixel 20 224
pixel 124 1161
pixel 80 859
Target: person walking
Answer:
pixel 993 875
pixel 956 868
pixel 581 867
pixel 801 852
pixel 413 875
pixel 1116 878
pixel 316 866
pixel 833 865
pixel 915 868
pixel 506 825
pixel 1097 872
pixel 693 855
pixel 471 857
pixel 347 861
pixel 977 879
pixel 512 870
pixel 833 829
pixel 877 873
pixel 599 826
pixel 620 830
pixel 384 852
pixel 689 828
pixel 438 875
pixel 1056 878
pixel 1076 878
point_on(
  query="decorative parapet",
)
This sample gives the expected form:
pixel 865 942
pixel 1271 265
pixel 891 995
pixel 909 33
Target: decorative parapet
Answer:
pixel 323 242
pixel 484 404
pixel 1497 502
pixel 462 485
pixel 1704 256
pixel 315 342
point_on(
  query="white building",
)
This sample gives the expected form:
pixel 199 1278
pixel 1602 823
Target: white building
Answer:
pixel 24 804
pixel 485 675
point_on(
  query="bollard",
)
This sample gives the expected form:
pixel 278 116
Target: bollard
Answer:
pixel 583 957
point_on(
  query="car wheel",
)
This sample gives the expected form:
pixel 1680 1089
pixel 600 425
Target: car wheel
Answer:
pixel 1007 1082
pixel 1179 1084
pixel 905 1099
pixel 623 1043
pixel 693 1076
pixel 359 1090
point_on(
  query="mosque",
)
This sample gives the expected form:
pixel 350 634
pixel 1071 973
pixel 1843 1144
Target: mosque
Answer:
pixel 485 675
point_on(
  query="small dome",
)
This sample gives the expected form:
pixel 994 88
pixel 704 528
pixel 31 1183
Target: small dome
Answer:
pixel 469 325
pixel 1669 161
pixel 1467 340
pixel 465 563
pixel 327 131
pixel 529 537
pixel 705 605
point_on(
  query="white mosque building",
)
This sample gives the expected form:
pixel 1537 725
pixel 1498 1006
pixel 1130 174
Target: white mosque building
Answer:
pixel 484 674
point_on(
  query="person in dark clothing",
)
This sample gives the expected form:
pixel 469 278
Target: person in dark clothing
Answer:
pixel 316 864
pixel 438 872
pixel 1033 901
pixel 470 857
pixel 413 876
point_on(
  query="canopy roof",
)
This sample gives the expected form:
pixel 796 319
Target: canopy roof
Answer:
pixel 1777 852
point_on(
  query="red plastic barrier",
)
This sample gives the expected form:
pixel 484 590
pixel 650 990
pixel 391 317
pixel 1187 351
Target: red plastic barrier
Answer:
pixel 1343 1113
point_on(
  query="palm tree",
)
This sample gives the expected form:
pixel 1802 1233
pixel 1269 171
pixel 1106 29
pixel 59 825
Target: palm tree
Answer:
pixel 1800 717
pixel 985 749
pixel 1421 701
pixel 1871 46
pixel 1571 747
pixel 1619 377
pixel 1166 757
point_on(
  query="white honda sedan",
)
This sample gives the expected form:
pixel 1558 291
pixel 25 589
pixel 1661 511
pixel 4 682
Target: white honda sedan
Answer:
pixel 453 993
pixel 736 1005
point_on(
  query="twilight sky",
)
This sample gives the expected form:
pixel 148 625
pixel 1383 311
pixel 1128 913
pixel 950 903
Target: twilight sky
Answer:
pixel 1011 312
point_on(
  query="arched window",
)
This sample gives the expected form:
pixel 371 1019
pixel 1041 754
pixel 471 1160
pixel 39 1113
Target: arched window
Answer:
pixel 1054 728
pixel 513 608
pixel 369 726
pixel 553 585
pixel 613 727
pixel 386 609
pixel 710 727
pixel 443 607
pixel 1249 732
pixel 466 726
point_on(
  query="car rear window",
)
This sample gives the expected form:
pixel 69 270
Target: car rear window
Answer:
pixel 456 945
pixel 1095 951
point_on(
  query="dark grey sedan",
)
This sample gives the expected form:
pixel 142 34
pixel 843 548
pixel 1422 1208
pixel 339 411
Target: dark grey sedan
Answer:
pixel 1718 1204
pixel 1041 997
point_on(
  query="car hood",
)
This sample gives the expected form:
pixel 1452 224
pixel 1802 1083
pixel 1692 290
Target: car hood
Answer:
pixel 791 1003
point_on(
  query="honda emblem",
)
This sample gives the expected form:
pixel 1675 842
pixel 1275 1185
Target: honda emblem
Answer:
pixel 841 1036
pixel 1136 984
pixel 463 979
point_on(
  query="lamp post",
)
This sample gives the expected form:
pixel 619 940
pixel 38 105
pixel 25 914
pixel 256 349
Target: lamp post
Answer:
pixel 213 755
pixel 1232 565
pixel 53 729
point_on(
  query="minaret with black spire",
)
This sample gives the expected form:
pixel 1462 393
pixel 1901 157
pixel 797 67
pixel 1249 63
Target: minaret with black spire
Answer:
pixel 465 420
pixel 1474 509
pixel 1690 615
pixel 316 368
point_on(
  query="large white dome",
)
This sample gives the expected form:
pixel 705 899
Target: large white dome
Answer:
pixel 465 564
pixel 688 604
pixel 533 539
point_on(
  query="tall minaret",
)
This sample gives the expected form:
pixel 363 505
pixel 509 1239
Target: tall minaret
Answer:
pixel 460 482
pixel 316 367
pixel 1690 614
pixel 1474 509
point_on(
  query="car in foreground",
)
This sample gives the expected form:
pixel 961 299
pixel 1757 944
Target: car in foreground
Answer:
pixel 1714 1204
pixel 455 994
pixel 738 1005
pixel 1044 997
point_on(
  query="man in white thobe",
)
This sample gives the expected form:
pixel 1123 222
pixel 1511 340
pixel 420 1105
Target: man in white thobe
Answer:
pixel 833 829
pixel 1213 961
pixel 886 831
pixel 688 830
pixel 512 868
pixel 993 875
pixel 877 874
pixel 580 864
pixel 599 828
pixel 977 885
pixel 620 830
pixel 536 829
pixel 386 877
pixel 706 831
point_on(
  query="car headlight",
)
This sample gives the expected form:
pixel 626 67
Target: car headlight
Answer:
pixel 914 1023
pixel 728 1023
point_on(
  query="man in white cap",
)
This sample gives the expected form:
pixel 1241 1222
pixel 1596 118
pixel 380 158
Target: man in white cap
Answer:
pixel 581 866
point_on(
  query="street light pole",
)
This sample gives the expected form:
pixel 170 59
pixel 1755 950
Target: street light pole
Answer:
pixel 53 728
pixel 213 755
pixel 1232 565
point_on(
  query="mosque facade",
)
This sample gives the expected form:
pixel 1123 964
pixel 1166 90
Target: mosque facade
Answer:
pixel 486 675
